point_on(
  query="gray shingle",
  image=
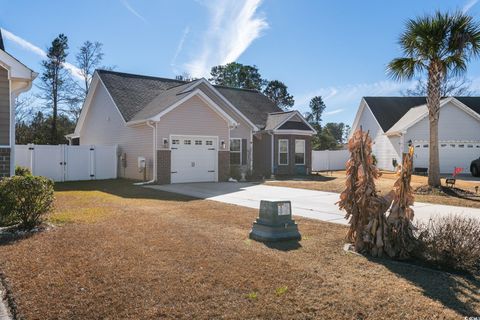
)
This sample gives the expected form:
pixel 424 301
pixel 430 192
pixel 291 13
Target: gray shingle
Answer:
pixel 389 110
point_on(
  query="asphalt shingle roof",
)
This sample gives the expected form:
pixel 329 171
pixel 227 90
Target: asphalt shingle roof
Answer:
pixel 389 110
pixel 139 97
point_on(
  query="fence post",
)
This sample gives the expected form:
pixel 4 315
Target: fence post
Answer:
pixel 31 153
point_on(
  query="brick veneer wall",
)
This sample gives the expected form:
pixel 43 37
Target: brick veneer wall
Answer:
pixel 4 162
pixel 223 165
pixel 164 166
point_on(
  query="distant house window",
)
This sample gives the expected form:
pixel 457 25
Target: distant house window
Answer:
pixel 443 145
pixel 175 141
pixel 235 151
pixel 282 152
pixel 452 145
pixel 478 146
pixel 299 151
pixel 417 146
pixel 198 142
pixel 187 142
pixel 209 143
pixel 425 145
pixel 461 146
pixel 470 146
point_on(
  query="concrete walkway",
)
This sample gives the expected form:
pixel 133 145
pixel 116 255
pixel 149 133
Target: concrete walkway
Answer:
pixel 312 204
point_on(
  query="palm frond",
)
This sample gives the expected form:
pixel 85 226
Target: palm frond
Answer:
pixel 404 68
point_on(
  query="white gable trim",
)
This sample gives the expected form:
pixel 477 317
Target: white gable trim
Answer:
pixel 96 81
pixel 290 117
pixel 363 105
pixel 17 69
pixel 205 81
pixel 424 115
pixel 209 102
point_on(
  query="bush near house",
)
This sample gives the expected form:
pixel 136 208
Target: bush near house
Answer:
pixel 25 200
pixel 451 242
pixel 22 171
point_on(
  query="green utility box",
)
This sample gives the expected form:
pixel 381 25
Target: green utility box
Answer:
pixel 275 222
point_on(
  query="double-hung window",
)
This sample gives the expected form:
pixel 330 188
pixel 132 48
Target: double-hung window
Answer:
pixel 300 152
pixel 283 152
pixel 235 151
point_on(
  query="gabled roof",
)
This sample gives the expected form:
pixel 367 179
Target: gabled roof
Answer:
pixel 276 119
pixel 389 110
pixel 138 97
pixel 131 92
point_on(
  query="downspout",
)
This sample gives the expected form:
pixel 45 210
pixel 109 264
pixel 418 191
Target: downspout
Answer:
pixel 272 174
pixel 154 176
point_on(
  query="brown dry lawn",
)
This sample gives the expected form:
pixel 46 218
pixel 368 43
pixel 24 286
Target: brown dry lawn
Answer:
pixel 125 252
pixel 335 182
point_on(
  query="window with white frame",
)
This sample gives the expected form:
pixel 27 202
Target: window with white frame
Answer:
pixel 299 151
pixel 283 152
pixel 235 151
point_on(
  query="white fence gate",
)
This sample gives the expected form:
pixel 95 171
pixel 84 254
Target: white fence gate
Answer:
pixel 326 160
pixel 68 163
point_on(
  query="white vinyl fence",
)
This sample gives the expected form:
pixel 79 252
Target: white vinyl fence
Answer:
pixel 68 163
pixel 327 160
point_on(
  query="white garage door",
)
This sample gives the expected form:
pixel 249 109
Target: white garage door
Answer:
pixel 194 159
pixel 452 154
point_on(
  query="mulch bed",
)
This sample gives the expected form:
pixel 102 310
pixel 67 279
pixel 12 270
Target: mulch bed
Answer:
pixel 164 256
pixel 448 191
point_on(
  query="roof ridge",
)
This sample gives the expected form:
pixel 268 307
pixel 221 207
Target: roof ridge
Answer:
pixel 133 75
pixel 234 88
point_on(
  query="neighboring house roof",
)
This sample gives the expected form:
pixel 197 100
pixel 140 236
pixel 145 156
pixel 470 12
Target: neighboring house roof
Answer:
pixel 389 111
pixel 141 97
pixel 2 47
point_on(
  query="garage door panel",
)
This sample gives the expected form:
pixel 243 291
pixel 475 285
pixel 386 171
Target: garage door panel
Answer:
pixel 194 159
pixel 452 155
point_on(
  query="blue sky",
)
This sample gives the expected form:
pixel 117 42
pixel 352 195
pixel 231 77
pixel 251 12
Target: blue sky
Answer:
pixel 337 49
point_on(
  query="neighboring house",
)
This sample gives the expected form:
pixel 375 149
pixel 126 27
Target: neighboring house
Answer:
pixel 191 131
pixel 15 78
pixel 396 122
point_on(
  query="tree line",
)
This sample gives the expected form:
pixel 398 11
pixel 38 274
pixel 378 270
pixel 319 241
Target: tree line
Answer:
pixel 60 96
pixel 47 116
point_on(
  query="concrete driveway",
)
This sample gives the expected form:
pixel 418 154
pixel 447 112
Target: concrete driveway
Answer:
pixel 312 204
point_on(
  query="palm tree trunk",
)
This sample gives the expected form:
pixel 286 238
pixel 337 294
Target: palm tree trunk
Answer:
pixel 435 75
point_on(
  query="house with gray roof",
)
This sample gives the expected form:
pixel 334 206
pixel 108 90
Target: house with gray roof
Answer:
pixel 174 131
pixel 15 78
pixel 394 123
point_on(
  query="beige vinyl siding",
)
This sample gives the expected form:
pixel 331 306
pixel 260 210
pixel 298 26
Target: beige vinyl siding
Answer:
pixel 243 130
pixel 384 148
pixel 193 117
pixel 4 108
pixel 104 126
pixel 453 125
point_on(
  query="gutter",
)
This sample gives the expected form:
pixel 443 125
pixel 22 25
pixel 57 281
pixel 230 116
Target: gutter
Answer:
pixel 154 176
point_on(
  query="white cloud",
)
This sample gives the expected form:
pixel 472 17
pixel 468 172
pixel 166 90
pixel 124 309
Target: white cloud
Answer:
pixel 468 5
pixel 329 113
pixel 347 98
pixel 185 33
pixel 76 72
pixel 133 11
pixel 233 26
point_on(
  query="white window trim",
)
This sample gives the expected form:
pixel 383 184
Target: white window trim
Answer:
pixel 239 152
pixel 304 152
pixel 279 142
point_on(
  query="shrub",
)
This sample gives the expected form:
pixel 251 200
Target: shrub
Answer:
pixel 25 200
pixel 451 242
pixel 22 171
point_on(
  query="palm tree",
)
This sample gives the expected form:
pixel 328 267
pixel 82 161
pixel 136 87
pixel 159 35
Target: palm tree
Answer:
pixel 440 45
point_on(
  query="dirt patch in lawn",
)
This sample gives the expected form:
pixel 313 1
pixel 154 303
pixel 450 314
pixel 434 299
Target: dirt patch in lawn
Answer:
pixel 158 255
pixel 335 182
